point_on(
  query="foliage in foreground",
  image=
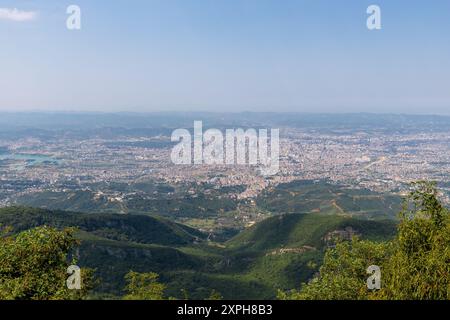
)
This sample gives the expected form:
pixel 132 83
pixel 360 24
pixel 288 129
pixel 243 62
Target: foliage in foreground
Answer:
pixel 33 265
pixel 414 266
pixel 144 286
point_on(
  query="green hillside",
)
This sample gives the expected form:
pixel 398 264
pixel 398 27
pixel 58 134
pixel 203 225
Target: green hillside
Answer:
pixel 165 203
pixel 133 228
pixel 324 198
pixel 278 253
pixel 286 250
pixel 77 200
pixel 295 230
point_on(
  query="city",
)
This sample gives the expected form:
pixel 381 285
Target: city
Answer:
pixel 118 171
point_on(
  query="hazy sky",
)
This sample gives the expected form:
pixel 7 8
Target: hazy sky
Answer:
pixel 226 55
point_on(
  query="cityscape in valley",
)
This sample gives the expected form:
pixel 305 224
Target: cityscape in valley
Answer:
pixel 207 228
pixel 129 170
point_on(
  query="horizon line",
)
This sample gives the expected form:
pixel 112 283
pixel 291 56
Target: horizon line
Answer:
pixel 219 112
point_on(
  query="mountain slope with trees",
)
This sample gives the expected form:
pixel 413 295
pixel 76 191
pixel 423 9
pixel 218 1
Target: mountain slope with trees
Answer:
pixel 275 254
pixel 415 265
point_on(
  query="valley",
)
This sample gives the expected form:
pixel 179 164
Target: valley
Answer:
pixel 208 229
pixel 260 260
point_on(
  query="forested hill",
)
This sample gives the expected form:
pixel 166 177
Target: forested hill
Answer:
pixel 133 228
pixel 296 230
pixel 278 253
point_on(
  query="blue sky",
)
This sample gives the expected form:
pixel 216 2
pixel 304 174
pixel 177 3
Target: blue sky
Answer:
pixel 226 55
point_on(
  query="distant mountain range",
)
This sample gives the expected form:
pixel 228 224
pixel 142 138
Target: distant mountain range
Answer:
pixel 46 124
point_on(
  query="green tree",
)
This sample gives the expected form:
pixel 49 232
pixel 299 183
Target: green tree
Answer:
pixel 419 267
pixel 415 265
pixel 215 295
pixel 343 273
pixel 33 265
pixel 143 286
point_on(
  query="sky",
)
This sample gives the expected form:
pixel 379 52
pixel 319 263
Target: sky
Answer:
pixel 225 55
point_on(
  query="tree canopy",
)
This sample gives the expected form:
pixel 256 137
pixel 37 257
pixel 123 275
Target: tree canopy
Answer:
pixel 143 286
pixel 33 265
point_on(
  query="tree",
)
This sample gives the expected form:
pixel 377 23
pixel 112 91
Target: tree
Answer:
pixel 143 286
pixel 419 268
pixel 415 265
pixel 33 265
pixel 215 295
pixel 343 273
